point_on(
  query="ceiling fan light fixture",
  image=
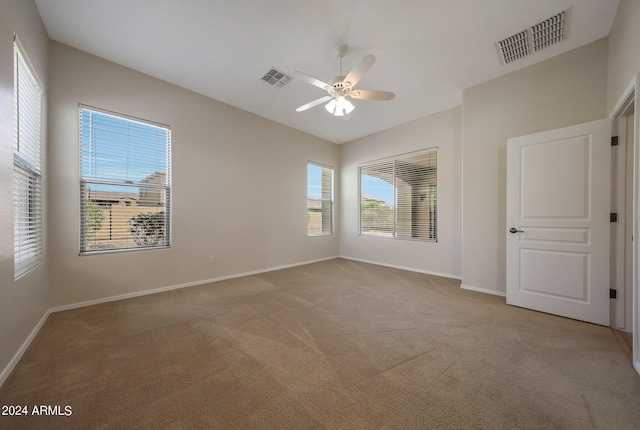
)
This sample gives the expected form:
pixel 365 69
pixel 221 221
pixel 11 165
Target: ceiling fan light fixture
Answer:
pixel 339 106
pixel 331 106
pixel 345 105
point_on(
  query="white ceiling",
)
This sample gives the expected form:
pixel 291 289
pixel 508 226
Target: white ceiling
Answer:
pixel 427 51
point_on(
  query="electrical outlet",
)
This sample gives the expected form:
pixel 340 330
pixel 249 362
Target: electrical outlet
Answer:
pixel 211 260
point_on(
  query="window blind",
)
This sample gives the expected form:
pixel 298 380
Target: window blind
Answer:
pixel 27 180
pixel 125 182
pixel 319 200
pixel 398 197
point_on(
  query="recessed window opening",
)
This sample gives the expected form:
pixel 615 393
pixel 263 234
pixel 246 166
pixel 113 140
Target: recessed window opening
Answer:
pixel 125 182
pixel 398 197
pixel 27 174
pixel 319 200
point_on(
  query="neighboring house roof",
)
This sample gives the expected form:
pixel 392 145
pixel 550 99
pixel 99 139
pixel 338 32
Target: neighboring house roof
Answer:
pixel 109 196
pixel 156 178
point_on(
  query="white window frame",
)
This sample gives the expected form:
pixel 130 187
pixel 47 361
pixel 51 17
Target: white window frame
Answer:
pixel 27 169
pixel 160 189
pixel 326 199
pixel 390 165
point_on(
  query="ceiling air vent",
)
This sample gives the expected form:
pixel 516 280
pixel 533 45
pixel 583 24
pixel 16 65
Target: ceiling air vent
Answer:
pixel 548 32
pixel 514 47
pixel 533 39
pixel 276 78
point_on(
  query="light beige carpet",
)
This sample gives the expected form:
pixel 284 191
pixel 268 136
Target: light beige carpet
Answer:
pixel 331 345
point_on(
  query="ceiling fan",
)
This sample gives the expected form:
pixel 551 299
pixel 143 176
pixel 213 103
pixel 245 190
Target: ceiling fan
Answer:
pixel 341 87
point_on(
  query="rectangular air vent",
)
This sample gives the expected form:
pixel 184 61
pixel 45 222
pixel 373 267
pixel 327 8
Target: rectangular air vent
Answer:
pixel 548 32
pixel 276 78
pixel 533 39
pixel 514 47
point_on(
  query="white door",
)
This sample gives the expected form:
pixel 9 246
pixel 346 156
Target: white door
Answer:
pixel 558 205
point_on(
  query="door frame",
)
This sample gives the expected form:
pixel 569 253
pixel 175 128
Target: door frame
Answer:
pixel 625 102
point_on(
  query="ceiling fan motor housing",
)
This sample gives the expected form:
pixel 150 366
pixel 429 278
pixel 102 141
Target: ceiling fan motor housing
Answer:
pixel 339 86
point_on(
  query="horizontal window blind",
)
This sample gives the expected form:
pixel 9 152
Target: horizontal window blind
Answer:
pixel 27 180
pixel 416 196
pixel 319 200
pixel 398 197
pixel 125 182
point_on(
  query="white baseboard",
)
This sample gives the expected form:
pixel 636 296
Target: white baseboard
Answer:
pixel 410 269
pixel 484 290
pixel 176 287
pixel 23 348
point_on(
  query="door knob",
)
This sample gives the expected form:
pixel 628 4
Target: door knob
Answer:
pixel 515 230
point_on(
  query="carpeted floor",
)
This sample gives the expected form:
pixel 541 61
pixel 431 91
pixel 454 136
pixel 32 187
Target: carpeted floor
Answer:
pixel 331 345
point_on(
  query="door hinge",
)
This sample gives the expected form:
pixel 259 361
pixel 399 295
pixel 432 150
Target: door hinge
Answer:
pixel 614 140
pixel 613 217
pixel 613 294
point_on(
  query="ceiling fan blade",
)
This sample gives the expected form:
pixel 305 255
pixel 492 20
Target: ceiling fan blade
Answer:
pixel 372 95
pixel 360 69
pixel 313 81
pixel 313 103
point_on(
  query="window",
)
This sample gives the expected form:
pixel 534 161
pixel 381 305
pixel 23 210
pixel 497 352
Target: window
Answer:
pixel 398 197
pixel 27 179
pixel 319 200
pixel 124 182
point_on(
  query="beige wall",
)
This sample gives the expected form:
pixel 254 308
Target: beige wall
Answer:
pixel 441 130
pixel 564 90
pixel 229 166
pixel 24 302
pixel 624 50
